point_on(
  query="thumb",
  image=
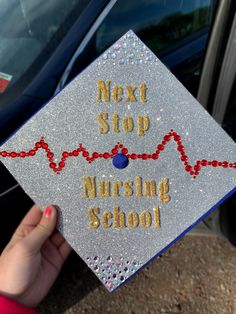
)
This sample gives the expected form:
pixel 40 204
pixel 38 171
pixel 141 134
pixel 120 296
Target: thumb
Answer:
pixel 43 230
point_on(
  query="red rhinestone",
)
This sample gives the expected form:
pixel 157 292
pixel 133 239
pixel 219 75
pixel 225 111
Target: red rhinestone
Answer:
pixel 13 154
pixel 204 162
pixel 120 145
pixel 31 152
pixel 75 153
pixel 44 145
pixel 166 138
pixel 133 156
pixel 38 145
pixel 63 159
pixel 192 173
pixel 230 165
pixel 209 163
pixel 95 155
pixel 50 155
pixel 144 156
pixel 52 165
pixel 163 142
pixel 177 138
pixel 225 164
pixel 197 168
pixel 184 158
pixel 65 154
pixel 214 163
pixel 114 151
pixel 139 156
pixel 4 153
pixel 160 147
pixel 70 154
pixel 220 163
pixel 128 155
pixel 180 148
pixel 100 155
pixel 154 156
pixel 61 164
pixel 106 155
pixel 234 164
pixel 124 151
pixel 85 154
pixel 22 154
pixel 188 168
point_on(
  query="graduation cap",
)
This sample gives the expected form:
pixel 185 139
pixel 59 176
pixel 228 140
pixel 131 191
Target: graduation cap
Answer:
pixel 132 160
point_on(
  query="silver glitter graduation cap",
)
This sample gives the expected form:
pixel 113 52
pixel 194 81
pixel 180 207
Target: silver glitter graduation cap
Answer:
pixel 130 157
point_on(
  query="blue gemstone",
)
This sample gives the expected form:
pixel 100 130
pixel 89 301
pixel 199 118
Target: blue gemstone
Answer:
pixel 120 161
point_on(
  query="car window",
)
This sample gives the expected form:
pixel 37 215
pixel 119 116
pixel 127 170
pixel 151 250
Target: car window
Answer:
pixel 29 28
pixel 229 123
pixel 175 30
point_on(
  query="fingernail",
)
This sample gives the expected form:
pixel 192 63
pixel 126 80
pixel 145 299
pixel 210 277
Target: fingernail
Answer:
pixel 48 212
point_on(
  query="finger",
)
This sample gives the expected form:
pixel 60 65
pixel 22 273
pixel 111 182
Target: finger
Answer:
pixel 65 250
pixel 31 219
pixel 43 230
pixel 33 216
pixel 57 238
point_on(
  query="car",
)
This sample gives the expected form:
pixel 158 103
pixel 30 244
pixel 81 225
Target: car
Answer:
pixel 46 44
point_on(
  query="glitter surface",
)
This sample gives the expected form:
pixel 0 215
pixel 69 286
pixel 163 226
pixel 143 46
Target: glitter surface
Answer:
pixel 70 119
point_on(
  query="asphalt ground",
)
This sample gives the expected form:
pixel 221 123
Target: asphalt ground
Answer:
pixel 196 275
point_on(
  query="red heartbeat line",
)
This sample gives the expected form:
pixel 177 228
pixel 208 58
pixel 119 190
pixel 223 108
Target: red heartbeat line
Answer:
pixel 193 170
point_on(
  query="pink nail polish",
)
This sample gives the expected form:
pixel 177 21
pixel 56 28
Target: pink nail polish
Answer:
pixel 48 212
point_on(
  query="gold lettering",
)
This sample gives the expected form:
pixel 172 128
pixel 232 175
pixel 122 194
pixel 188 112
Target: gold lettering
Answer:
pixel 133 220
pixel 105 217
pixel 150 188
pixel 119 218
pixel 143 92
pixel 116 186
pixel 128 191
pixel 156 217
pixel 115 119
pixel 143 125
pixel 89 187
pixel 104 126
pixel 138 184
pixel 104 188
pixel 95 222
pixel 163 188
pixel 131 97
pixel 128 124
pixel 146 219
pixel 116 92
pixel 103 90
